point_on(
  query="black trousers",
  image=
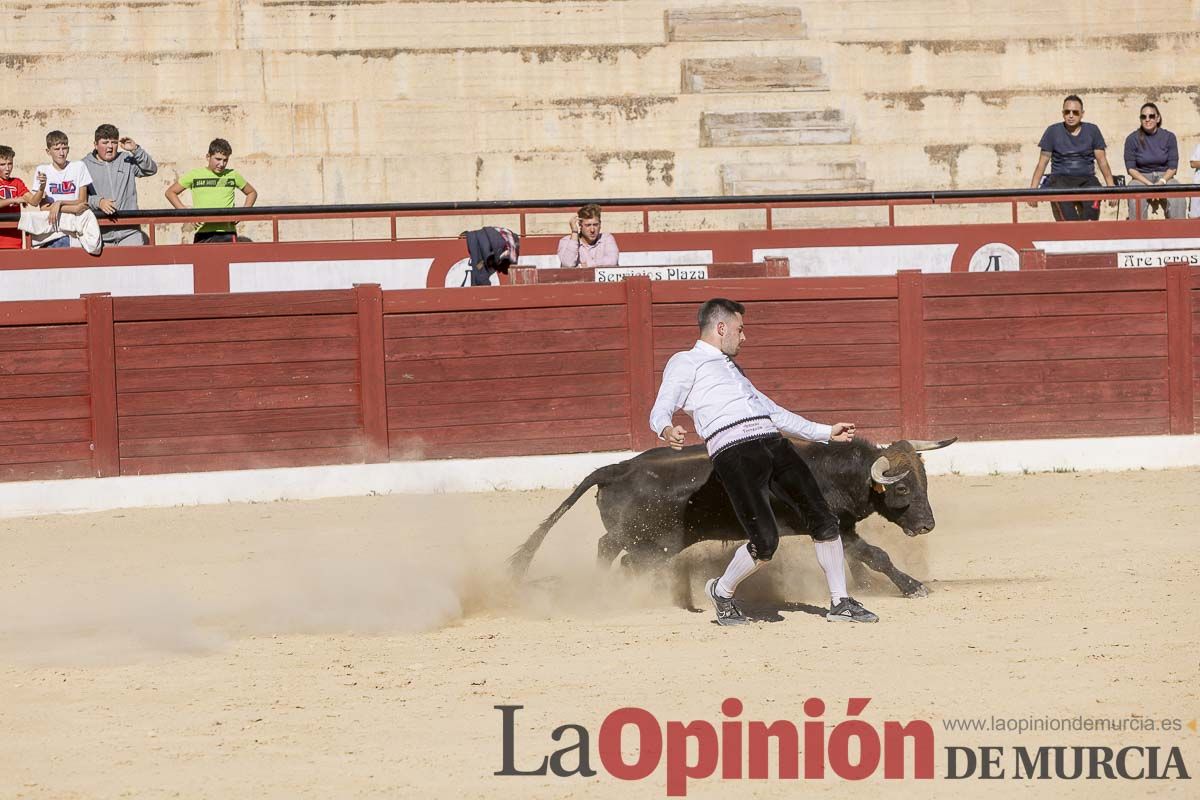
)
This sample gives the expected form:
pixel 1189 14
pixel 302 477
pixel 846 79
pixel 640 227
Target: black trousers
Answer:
pixel 753 471
pixel 1072 212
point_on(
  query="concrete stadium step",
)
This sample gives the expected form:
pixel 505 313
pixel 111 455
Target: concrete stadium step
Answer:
pixel 901 20
pixel 735 23
pixel 749 128
pixel 754 74
pixel 773 178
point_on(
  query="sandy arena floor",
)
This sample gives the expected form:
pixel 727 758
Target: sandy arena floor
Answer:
pixel 355 648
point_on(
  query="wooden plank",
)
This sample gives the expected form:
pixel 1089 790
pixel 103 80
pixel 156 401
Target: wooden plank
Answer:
pixel 1036 393
pixel 750 290
pixel 521 366
pixel 910 291
pixel 1045 327
pixel 30 408
pixel 207 462
pixel 44 385
pixel 959 284
pixel 43 337
pixel 408 301
pixel 372 371
pixel 492 431
pixel 211 353
pixel 1044 412
pixel 53 470
pixel 1015 305
pixel 488 323
pixel 241 443
pixel 489 391
pixel 185 331
pixel 102 384
pixel 45 452
pixel 683 337
pixel 1056 429
pixel 806 400
pixel 191 401
pixel 41 312
pixel 1035 350
pixel 755 358
pixel 39 362
pixel 640 342
pixel 565 410
pixel 775 380
pixel 769 312
pixel 1090 369
pixel 414 447
pixel 220 422
pixel 1181 349
pixel 303 373
pixel 480 344
pixel 239 304
pixel 45 431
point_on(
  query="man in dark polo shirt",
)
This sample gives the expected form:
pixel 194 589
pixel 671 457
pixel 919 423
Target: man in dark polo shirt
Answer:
pixel 1073 148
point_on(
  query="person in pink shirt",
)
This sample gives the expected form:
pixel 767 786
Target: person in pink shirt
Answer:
pixel 586 246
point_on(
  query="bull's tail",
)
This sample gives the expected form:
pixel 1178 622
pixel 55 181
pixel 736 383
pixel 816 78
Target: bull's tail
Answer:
pixel 518 562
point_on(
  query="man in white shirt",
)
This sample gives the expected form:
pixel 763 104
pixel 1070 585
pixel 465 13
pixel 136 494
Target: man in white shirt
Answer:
pixel 742 429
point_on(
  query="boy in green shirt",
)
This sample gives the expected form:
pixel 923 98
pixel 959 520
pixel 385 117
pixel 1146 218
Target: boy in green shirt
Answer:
pixel 212 187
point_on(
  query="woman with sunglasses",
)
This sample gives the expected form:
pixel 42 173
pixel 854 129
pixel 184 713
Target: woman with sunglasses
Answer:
pixel 1152 158
pixel 1073 149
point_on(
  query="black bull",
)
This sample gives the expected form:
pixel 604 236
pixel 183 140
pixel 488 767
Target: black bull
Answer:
pixel 662 501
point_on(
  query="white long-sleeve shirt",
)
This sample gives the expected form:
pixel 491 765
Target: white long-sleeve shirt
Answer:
pixel 706 384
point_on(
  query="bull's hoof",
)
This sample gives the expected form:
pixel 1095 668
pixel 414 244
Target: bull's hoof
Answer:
pixel 917 591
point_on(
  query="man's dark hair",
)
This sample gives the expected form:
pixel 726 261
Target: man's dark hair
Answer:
pixel 107 131
pixel 56 137
pixel 219 146
pixel 7 152
pixel 712 311
pixel 1074 97
pixel 590 211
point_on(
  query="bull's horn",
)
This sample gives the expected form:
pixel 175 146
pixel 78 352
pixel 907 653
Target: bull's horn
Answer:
pixel 928 444
pixel 881 466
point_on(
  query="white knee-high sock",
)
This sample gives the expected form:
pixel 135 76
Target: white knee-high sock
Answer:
pixel 832 559
pixel 742 566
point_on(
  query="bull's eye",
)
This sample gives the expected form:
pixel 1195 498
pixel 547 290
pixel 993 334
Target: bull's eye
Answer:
pixel 901 489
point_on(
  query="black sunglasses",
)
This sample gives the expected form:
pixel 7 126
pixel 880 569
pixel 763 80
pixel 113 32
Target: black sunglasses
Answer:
pixel 1069 112
pixel 1149 116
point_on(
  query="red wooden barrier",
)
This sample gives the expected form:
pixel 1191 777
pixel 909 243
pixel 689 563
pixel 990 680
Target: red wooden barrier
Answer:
pixel 131 385
pixel 770 267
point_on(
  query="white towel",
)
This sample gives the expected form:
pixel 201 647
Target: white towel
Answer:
pixel 83 228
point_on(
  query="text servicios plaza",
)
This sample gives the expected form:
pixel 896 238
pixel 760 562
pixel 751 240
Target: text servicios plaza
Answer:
pixel 632 743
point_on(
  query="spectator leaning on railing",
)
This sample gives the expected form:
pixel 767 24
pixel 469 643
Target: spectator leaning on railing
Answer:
pixel 586 246
pixel 115 164
pixel 13 193
pixel 65 184
pixel 212 186
pixel 1073 148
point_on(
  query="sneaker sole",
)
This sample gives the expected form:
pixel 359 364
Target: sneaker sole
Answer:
pixel 710 589
pixel 844 618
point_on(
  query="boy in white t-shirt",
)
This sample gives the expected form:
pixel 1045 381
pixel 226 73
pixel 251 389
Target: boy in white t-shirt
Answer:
pixel 65 184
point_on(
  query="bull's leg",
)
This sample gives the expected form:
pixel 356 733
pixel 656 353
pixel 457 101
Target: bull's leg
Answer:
pixel 606 550
pixel 857 549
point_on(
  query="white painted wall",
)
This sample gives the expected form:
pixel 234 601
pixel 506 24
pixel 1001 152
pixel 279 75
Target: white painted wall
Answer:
pixel 535 472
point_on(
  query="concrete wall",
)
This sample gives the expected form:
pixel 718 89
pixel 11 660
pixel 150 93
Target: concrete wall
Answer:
pixel 405 100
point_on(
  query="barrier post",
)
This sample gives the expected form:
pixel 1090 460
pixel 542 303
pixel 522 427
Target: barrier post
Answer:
pixel 1180 389
pixel 371 372
pixel 641 361
pixel 910 296
pixel 102 384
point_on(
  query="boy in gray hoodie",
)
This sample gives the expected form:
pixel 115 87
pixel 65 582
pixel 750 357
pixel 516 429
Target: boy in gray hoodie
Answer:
pixel 114 165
